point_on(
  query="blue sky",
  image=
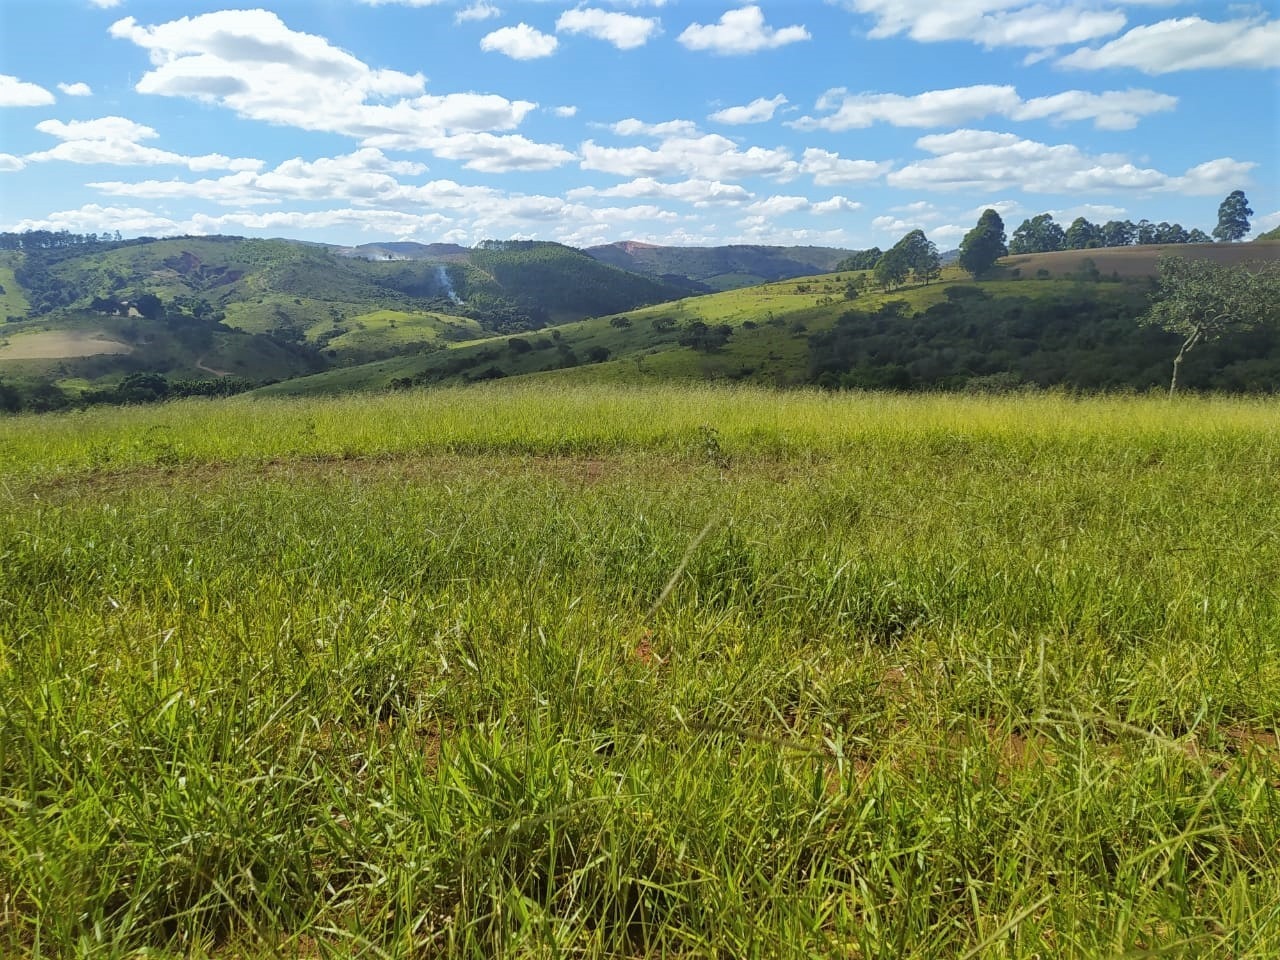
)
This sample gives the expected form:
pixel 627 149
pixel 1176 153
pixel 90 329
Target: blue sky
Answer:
pixel 829 122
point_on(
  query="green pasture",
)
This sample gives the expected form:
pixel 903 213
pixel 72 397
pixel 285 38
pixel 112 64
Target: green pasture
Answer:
pixel 689 671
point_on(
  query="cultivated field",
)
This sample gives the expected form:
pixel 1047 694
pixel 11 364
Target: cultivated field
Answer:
pixel 664 671
pixel 1136 262
pixel 60 345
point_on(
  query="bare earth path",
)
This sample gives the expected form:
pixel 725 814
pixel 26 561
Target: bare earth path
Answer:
pixel 217 373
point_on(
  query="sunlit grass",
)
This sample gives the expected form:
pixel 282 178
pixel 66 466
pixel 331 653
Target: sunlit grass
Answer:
pixel 667 671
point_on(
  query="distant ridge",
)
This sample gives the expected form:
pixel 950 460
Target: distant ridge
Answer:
pixel 405 250
pixel 719 268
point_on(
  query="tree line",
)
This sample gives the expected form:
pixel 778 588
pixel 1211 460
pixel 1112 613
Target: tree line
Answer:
pixel 1041 234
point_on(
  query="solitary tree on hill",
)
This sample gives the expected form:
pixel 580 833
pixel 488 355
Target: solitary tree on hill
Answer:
pixel 1233 218
pixel 983 245
pixel 1202 301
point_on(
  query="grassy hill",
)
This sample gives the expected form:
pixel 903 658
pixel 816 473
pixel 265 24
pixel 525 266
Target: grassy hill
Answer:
pixel 301 307
pixel 1129 263
pixel 720 268
pixel 1046 322
pixel 290 309
pixel 76 351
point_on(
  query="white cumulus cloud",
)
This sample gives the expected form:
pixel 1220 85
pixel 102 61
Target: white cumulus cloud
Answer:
pixel 251 62
pixel 76 89
pixel 480 10
pixel 757 111
pixel 1109 110
pixel 828 168
pixel 710 157
pixel 991 23
pixel 740 31
pixel 115 141
pixel 1186 43
pixel 19 93
pixel 986 160
pixel 521 42
pixel 623 30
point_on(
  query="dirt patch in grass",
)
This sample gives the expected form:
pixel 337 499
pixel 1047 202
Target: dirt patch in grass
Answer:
pixel 61 345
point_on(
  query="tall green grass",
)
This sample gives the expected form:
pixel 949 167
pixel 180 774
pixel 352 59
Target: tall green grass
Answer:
pixel 672 672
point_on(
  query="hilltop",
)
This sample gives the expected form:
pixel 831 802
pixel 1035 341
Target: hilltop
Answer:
pixel 719 268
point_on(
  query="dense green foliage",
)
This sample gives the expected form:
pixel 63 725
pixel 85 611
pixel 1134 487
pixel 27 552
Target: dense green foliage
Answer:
pixel 1233 217
pixel 564 281
pixel 861 260
pixel 1202 302
pixel 983 245
pixel 1082 339
pixel 704 269
pixel 677 672
pixel 1041 234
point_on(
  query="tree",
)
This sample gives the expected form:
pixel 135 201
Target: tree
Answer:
pixel 891 269
pixel 983 245
pixel 1170 233
pixel 1202 301
pixel 860 260
pixel 1196 235
pixel 1117 233
pixel 856 287
pixel 1233 218
pixel 150 306
pixel 920 254
pixel 1083 235
pixel 1146 232
pixel 1038 235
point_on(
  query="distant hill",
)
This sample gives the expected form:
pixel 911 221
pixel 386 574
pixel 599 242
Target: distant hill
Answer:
pixel 85 318
pixel 300 306
pixel 405 250
pixel 720 268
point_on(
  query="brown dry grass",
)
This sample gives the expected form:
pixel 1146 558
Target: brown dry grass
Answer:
pixel 1137 262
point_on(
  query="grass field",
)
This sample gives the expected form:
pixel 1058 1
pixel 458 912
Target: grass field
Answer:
pixel 59 345
pixel 12 301
pixel 681 671
pixel 1136 262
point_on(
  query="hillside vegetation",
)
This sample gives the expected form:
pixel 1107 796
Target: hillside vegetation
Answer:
pixel 720 268
pixel 681 671
pixel 309 307
pixel 516 309
pixel 1054 320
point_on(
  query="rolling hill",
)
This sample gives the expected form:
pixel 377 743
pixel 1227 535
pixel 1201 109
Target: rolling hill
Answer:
pixel 317 321
pixel 1131 263
pixel 1049 321
pixel 300 306
pixel 720 268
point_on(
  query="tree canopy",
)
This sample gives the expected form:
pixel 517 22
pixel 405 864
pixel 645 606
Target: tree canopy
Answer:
pixel 1039 234
pixel 984 244
pixel 1233 218
pixel 1202 301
